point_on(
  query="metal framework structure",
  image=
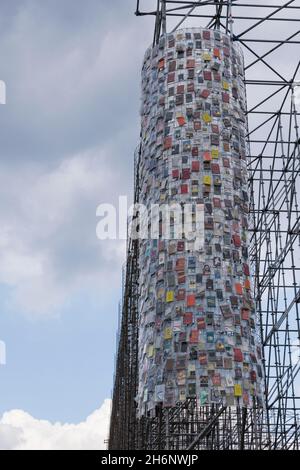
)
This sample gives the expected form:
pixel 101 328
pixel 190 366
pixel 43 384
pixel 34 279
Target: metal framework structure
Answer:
pixel 267 32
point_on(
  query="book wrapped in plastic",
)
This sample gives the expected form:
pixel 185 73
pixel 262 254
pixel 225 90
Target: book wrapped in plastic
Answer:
pixel 197 322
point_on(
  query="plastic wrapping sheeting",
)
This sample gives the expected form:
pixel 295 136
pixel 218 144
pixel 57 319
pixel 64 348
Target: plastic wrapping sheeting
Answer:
pixel 197 330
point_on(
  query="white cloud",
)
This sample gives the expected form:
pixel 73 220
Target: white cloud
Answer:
pixel 20 431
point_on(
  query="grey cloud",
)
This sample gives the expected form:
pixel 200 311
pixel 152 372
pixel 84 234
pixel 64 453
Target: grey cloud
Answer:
pixel 48 243
pixel 72 74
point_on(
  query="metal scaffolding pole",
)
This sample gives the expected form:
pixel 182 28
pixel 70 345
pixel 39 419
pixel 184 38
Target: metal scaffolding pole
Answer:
pixel 274 184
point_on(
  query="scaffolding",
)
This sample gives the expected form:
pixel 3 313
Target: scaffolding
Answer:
pixel 267 32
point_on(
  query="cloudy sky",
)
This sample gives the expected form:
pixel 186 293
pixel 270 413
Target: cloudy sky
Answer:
pixel 68 132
